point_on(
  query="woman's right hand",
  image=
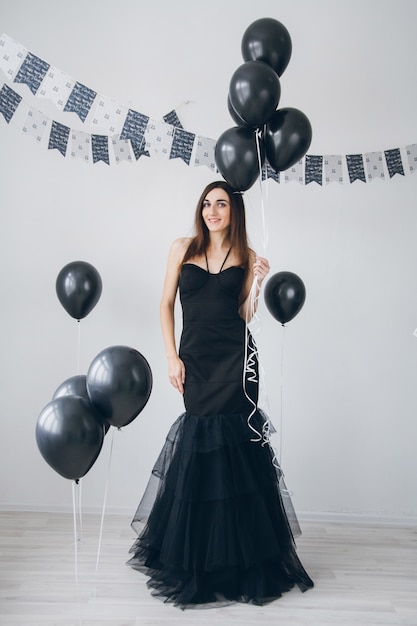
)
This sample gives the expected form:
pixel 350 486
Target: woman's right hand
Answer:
pixel 176 373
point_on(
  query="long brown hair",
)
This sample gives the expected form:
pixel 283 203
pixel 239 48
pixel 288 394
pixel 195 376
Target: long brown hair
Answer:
pixel 237 231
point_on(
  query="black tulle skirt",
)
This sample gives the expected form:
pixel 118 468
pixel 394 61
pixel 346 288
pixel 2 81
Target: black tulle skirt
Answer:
pixel 215 523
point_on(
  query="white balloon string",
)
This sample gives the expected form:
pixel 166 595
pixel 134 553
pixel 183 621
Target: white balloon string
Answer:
pixel 74 510
pixel 250 355
pixel 80 515
pixel 261 187
pixel 78 347
pixel 105 500
pixel 281 394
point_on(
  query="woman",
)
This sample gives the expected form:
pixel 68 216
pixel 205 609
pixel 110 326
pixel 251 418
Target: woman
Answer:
pixel 216 528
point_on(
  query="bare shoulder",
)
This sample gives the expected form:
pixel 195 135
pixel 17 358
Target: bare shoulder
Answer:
pixel 178 249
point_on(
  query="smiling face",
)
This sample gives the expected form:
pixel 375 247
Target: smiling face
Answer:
pixel 216 210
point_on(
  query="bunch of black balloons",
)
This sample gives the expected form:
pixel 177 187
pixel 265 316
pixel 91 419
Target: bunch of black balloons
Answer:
pixel 263 133
pixel 70 430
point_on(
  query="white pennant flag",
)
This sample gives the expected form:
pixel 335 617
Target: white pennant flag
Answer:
pixel 158 138
pixel 35 124
pixel 374 164
pixel 12 55
pixel 80 145
pixel 333 169
pixel 56 86
pixel 121 149
pixel 296 172
pixel 412 157
pixel 204 152
pixel 108 116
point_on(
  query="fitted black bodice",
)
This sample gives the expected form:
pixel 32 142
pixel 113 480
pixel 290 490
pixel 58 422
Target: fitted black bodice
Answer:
pixel 212 343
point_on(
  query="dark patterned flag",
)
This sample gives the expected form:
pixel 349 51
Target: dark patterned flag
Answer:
pixel 173 119
pixel 394 162
pixel 100 148
pixel 314 169
pixel 355 167
pixel 58 137
pixel 80 100
pixel 32 72
pixel 9 101
pixel 139 149
pixel 268 172
pixel 182 145
pixel 134 127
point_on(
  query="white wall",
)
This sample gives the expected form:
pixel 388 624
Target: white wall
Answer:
pixel 349 389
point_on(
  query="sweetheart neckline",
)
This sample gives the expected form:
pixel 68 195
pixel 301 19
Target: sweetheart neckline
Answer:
pixel 213 273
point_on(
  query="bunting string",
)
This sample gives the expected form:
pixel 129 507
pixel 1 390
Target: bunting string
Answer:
pixel 118 134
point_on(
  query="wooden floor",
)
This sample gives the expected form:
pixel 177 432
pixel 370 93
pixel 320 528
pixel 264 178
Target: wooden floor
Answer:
pixel 364 575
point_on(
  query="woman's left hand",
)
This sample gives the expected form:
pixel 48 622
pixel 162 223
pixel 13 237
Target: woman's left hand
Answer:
pixel 260 268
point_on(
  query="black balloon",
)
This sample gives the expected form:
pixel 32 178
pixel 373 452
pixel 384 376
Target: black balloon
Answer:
pixel 78 287
pixel 235 117
pixel 269 41
pixel 239 156
pixel 287 138
pixel 74 386
pixel 77 386
pixel 69 436
pixel 254 92
pixel 284 296
pixel 119 383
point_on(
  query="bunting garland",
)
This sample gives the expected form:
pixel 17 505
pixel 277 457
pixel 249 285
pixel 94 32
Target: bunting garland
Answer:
pixel 132 134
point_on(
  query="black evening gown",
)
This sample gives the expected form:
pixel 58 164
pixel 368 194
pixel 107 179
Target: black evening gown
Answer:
pixel 213 525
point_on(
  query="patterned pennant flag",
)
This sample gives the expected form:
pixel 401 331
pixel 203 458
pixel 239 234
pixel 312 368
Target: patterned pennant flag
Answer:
pixel 313 169
pixel 268 172
pixel 394 162
pixel 80 100
pixel 159 138
pixel 121 149
pixel 296 172
pixel 108 116
pixel 204 154
pixel 412 157
pixel 333 169
pixel 9 101
pixel 58 137
pixel 80 145
pixel 100 148
pixel 134 127
pixel 182 145
pixel 56 86
pixel 173 119
pixel 35 124
pixel 374 165
pixel 139 149
pixel 11 56
pixel 32 72
pixel 355 167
